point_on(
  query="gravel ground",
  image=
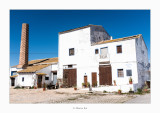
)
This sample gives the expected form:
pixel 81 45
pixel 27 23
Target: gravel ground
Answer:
pixel 141 99
pixel 64 95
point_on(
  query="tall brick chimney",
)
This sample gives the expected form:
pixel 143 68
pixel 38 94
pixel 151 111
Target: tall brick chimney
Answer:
pixel 23 58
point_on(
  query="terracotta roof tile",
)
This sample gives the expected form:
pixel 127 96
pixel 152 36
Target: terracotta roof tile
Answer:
pixel 34 68
pixel 13 76
pixel 42 61
pixel 51 60
pixel 41 74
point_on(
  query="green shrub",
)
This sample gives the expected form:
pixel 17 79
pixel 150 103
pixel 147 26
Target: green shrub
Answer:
pixel 17 87
pixel 104 91
pixel 31 87
pixel 139 91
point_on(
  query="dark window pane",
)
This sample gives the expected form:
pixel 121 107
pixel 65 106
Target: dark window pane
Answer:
pixel 129 72
pixel 70 66
pixel 96 51
pixel 46 78
pixel 71 52
pixel 22 79
pixel 54 73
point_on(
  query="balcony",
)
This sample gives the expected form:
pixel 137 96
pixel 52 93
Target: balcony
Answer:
pixel 104 57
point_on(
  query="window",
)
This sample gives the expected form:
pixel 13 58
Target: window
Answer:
pixel 129 72
pixel 13 73
pixel 46 78
pixel 96 51
pixel 71 51
pixel 119 49
pixel 70 66
pixel 55 73
pixel 120 73
pixel 22 79
pixel 142 51
pixel 104 52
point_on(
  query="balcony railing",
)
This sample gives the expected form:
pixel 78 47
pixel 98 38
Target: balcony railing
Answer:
pixel 103 56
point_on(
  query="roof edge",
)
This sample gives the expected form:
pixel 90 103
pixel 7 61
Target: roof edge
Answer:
pixel 78 28
pixel 118 39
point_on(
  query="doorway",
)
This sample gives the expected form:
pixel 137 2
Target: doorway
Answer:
pixel 105 75
pixel 39 82
pixel 70 77
pixel 94 79
pixel 85 81
pixel 12 81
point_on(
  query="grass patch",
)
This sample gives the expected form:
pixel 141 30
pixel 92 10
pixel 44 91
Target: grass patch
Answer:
pixel 72 98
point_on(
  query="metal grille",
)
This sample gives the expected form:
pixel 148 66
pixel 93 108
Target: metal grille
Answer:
pixel 120 73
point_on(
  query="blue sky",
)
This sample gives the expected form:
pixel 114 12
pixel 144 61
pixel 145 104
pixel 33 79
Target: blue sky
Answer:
pixel 44 26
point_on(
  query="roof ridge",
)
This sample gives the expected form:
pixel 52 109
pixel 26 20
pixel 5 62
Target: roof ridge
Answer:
pixel 77 28
pixel 118 39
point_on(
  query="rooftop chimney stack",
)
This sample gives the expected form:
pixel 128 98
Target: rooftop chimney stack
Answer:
pixel 23 58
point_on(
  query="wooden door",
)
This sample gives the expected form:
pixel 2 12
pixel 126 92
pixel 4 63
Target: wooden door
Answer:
pixel 39 82
pixel 85 81
pixel 70 77
pixel 94 79
pixel 105 75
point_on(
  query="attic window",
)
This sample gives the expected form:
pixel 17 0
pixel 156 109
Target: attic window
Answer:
pixel 71 52
pixel 119 49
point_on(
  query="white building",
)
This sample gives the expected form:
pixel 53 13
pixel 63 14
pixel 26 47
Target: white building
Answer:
pixel 89 54
pixel 35 74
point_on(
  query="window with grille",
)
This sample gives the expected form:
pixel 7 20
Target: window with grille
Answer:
pixel 119 49
pixel 96 51
pixel 129 72
pixel 71 51
pixel 120 73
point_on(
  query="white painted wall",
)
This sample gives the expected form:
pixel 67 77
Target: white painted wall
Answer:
pixel 31 78
pixel 28 79
pixel 87 61
pixel 80 41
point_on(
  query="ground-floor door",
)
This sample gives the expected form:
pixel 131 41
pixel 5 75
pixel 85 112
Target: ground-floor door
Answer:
pixel 85 81
pixel 54 77
pixel 70 77
pixel 12 81
pixel 39 81
pixel 94 79
pixel 105 75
